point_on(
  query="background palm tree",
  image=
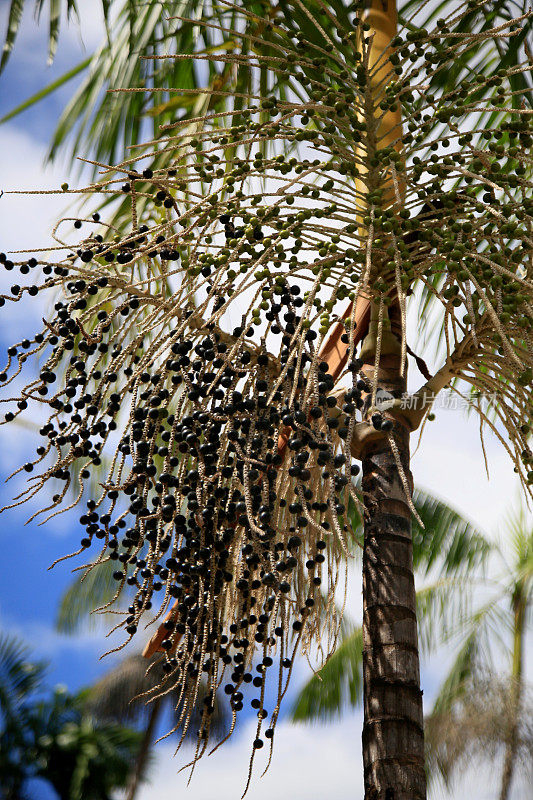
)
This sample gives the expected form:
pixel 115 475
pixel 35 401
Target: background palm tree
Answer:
pixel 128 692
pixel 19 679
pixel 55 737
pixel 480 711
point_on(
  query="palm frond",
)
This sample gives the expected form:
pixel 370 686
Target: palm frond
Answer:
pixel 449 612
pixel 448 541
pixel 16 10
pixel 20 676
pixel 88 591
pixel 100 123
pixel 519 530
pixel 460 674
pixel 126 694
pixel 441 607
pixel 78 755
pixel 42 93
pixel 447 538
pixel 15 15
pixel 337 684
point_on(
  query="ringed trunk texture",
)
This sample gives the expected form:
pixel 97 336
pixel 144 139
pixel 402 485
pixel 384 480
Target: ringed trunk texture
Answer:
pixel 393 734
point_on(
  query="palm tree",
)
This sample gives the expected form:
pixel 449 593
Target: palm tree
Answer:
pixel 492 711
pixel 478 712
pixel 445 551
pixel 79 755
pixel 376 214
pixel 127 693
pixel 19 678
pixel 55 738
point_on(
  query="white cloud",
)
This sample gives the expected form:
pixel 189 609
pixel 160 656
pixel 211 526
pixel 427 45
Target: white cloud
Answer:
pixel 49 641
pixel 27 220
pixel 309 763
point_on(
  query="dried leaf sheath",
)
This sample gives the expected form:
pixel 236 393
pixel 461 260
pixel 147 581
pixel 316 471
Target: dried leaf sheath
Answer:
pixel 185 347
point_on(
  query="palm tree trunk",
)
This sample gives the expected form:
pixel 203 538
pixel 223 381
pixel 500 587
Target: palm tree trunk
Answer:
pixel 393 734
pixel 393 737
pixel 144 750
pixel 519 609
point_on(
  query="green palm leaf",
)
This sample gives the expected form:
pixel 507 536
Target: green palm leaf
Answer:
pixel 18 675
pixel 85 594
pixel 447 614
pixel 15 14
pixel 447 538
pixel 16 10
pixel 77 754
pixel 454 685
pixel 138 31
pixel 42 93
pixel 337 684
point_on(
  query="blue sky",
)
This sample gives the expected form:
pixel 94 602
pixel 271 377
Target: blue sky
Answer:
pixel 309 762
